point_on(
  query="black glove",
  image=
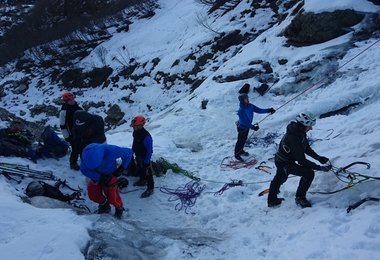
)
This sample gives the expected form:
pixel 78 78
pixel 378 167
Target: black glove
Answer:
pixel 271 110
pixel 323 159
pixel 119 171
pixel 326 168
pixel 255 127
pixel 104 179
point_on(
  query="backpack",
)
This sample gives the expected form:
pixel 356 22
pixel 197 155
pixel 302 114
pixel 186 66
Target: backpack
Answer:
pixel 40 188
pixel 52 144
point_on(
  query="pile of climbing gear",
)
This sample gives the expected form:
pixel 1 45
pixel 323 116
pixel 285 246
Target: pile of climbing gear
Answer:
pixel 186 195
pixel 14 171
pixel 350 178
pixel 232 163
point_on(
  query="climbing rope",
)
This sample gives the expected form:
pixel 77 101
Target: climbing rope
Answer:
pixel 230 162
pixel 319 83
pixel 350 178
pixel 186 195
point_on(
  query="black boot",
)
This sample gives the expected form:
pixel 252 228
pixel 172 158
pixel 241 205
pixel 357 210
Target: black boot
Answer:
pixel 147 193
pixel 238 157
pixel 303 202
pixel 140 183
pixel 104 208
pixel 244 153
pixel 119 213
pixel 275 202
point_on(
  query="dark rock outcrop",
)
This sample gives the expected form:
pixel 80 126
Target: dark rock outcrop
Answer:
pixel 310 28
pixel 114 115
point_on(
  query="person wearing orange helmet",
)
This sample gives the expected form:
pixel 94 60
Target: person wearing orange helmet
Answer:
pixel 143 149
pixel 66 119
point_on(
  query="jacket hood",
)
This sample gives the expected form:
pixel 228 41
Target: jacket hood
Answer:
pixel 295 128
pixel 92 156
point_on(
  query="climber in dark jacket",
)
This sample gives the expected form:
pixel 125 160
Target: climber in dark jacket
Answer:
pixel 290 159
pixel 88 129
pixel 143 149
pixel 245 114
pixel 66 119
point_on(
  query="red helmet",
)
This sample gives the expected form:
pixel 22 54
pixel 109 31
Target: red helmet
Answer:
pixel 138 121
pixel 68 96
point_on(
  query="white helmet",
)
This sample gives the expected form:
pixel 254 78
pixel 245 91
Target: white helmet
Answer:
pixel 306 119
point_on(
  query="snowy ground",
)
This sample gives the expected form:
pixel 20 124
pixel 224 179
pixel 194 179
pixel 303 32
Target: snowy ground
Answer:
pixel 237 224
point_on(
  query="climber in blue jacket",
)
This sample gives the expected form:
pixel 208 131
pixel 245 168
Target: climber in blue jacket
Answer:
pixel 100 163
pixel 245 113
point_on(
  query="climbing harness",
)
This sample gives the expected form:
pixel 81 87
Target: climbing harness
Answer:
pixel 360 202
pixel 231 162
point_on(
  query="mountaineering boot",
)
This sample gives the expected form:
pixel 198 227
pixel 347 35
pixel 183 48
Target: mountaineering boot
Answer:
pixel 303 202
pixel 147 193
pixel 74 166
pixel 274 203
pixel 238 157
pixel 244 153
pixel 140 183
pixel 104 208
pixel 119 213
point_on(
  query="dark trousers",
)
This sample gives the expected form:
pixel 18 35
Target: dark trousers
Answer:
pixel 146 174
pixel 283 171
pixel 242 138
pixel 74 152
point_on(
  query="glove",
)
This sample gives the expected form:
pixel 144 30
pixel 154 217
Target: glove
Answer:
pixel 323 159
pixel 271 110
pixel 326 168
pixel 68 139
pixel 255 127
pixel 119 171
pixel 104 179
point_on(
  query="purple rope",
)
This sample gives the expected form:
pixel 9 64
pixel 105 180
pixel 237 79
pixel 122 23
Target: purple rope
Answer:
pixel 233 183
pixel 265 141
pixel 186 195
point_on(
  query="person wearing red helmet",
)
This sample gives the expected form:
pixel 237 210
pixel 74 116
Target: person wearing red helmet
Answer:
pixel 143 149
pixel 66 118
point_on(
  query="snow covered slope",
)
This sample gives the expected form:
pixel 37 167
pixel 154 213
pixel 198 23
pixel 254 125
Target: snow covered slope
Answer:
pixel 237 224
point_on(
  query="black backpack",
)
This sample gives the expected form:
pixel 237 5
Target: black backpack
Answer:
pixel 40 188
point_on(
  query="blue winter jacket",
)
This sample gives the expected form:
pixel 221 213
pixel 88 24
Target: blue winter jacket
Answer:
pixel 100 159
pixel 245 114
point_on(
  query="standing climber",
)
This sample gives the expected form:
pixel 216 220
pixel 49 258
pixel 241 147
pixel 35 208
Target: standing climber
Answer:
pixel 66 118
pixel 245 114
pixel 88 129
pixel 100 163
pixel 290 159
pixel 143 150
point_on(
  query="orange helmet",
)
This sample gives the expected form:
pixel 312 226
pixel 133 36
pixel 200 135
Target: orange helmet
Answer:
pixel 68 96
pixel 138 121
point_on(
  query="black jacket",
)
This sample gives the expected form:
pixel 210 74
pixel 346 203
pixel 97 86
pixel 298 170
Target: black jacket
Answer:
pixel 293 147
pixel 66 118
pixel 88 129
pixel 142 145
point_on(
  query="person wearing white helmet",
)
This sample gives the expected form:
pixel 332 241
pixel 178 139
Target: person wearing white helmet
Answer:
pixel 290 159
